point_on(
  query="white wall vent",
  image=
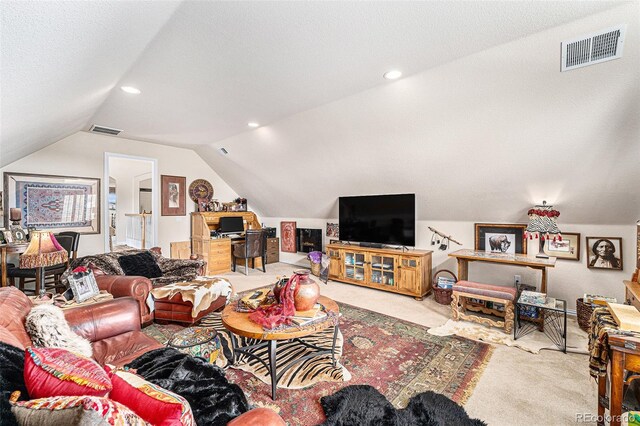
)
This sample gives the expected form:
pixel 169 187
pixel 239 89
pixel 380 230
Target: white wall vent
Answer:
pixel 104 130
pixel 602 46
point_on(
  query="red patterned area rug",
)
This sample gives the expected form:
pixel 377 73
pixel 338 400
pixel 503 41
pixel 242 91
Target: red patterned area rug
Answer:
pixel 398 358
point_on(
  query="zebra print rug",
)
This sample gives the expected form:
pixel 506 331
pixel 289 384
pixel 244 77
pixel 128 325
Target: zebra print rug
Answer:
pixel 317 369
pixel 307 373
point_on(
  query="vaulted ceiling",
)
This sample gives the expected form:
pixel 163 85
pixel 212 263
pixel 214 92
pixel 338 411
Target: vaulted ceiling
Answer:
pixel 481 116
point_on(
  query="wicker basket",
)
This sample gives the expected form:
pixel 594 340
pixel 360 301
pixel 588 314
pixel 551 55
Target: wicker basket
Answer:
pixel 584 314
pixel 315 269
pixel 442 295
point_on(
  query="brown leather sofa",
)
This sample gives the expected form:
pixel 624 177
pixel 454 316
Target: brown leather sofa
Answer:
pixel 114 329
pixel 127 286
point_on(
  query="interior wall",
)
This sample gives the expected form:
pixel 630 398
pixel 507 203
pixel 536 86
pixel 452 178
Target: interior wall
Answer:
pixel 82 154
pixel 568 280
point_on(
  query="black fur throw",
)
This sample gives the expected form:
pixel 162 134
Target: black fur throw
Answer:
pixel 364 405
pixel 212 398
pixel 11 379
pixel 141 264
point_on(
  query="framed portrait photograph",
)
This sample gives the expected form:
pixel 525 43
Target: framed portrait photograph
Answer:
pixel 83 285
pixel 53 203
pixel 604 253
pixel 568 248
pixel 333 230
pixel 174 195
pixel 500 238
pixel 288 237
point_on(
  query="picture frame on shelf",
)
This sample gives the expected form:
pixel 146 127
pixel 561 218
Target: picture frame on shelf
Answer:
pixel 500 238
pixel 568 248
pixel 53 203
pixel 604 253
pixel 288 236
pixel 173 191
pixel 83 285
pixel 3 239
pixel 19 234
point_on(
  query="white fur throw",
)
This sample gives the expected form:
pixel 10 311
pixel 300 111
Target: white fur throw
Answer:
pixel 48 328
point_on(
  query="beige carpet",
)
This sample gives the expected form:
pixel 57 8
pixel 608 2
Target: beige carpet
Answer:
pixel 517 387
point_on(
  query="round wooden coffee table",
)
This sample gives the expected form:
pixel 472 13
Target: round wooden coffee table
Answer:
pixel 239 324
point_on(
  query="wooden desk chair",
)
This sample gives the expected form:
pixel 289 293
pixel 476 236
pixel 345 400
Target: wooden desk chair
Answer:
pixel 75 243
pixel 255 245
pixel 31 275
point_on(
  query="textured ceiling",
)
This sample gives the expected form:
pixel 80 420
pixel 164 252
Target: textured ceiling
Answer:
pixel 481 97
pixel 206 68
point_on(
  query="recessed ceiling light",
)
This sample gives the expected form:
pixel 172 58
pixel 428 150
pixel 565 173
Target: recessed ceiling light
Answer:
pixel 253 124
pixel 392 75
pixel 130 89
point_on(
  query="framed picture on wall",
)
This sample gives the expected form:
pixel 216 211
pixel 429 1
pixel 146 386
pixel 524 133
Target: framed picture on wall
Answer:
pixel 333 230
pixel 173 190
pixel 604 253
pixel 638 246
pixel 568 248
pixel 53 203
pixel 500 238
pixel 288 237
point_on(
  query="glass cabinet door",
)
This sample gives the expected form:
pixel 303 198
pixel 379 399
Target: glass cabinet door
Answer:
pixel 383 270
pixel 354 266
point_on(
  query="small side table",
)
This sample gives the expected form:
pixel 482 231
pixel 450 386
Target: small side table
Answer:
pixel 553 317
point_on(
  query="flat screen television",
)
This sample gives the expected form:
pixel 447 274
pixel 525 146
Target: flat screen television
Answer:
pixel 379 219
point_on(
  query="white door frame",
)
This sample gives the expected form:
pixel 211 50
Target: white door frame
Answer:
pixel 155 202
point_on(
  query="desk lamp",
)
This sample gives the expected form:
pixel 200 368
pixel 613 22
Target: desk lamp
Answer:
pixel 43 251
pixel 542 225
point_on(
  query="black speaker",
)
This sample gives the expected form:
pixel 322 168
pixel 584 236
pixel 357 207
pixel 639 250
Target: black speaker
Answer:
pixel 271 232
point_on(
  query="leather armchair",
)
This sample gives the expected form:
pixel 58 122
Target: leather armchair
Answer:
pixel 127 286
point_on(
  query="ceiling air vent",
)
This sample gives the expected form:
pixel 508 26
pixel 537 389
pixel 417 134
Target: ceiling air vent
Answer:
pixel 104 130
pixel 602 46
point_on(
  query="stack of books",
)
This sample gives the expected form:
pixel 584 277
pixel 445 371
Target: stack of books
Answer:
pixel 316 314
pixel 533 298
pixel 446 282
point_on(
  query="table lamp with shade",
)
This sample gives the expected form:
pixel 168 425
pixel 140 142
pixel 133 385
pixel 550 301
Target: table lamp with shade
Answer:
pixel 542 225
pixel 43 250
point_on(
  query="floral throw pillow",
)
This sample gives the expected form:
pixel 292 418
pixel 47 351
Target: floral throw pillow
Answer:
pixel 75 410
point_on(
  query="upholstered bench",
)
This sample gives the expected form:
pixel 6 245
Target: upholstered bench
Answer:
pixel 465 290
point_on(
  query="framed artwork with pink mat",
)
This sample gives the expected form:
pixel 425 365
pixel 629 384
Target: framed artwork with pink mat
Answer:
pixel 288 237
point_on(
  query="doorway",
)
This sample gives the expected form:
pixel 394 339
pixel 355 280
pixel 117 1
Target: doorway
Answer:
pixel 131 190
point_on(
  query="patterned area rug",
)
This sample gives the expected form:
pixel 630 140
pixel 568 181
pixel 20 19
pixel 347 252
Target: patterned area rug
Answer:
pixel 397 357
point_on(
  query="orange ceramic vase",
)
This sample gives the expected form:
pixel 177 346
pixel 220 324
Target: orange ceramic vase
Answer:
pixel 307 291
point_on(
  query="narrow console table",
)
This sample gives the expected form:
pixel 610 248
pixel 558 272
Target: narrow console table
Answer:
pixel 465 256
